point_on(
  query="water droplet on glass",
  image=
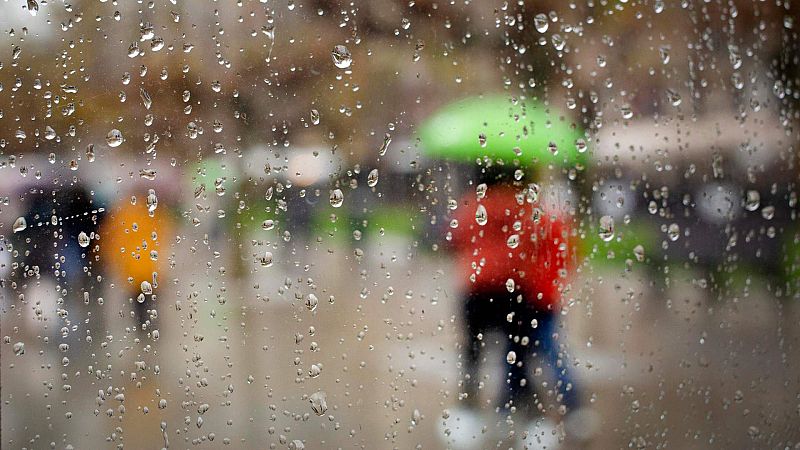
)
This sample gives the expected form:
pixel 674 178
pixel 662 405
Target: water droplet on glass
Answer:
pixel 768 212
pixel 372 178
pixel 482 139
pixel 387 139
pixel 157 43
pixel 638 252
pixel 266 259
pixel 673 232
pixel 674 97
pixel 341 57
pixel 319 403
pixel 315 117
pixel 33 7
pixel 152 201
pixel 663 51
pixel 580 145
pixel 480 190
pixel 606 229
pixel 510 285
pixel 146 100
pixel 511 357
pixel 146 287
pixel 540 22
pixel 147 174
pixel 133 50
pixel 83 239
pixel 752 200
pixel 20 224
pixel 114 138
pixel 626 111
pixel 481 217
pixel 336 198
pixel 735 56
pixel 513 241
pixel 311 302
pixel 19 348
pixel 268 224
pixel 558 42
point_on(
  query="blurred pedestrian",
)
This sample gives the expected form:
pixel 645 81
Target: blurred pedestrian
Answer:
pixel 133 239
pixel 514 251
pixel 55 246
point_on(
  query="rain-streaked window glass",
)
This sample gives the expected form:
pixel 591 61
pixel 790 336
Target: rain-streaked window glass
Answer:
pixel 463 224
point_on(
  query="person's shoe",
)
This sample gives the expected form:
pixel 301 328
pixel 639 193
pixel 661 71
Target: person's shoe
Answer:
pixel 542 433
pixel 462 429
pixel 582 424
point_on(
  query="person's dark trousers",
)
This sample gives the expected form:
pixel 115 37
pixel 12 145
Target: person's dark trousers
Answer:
pixel 501 311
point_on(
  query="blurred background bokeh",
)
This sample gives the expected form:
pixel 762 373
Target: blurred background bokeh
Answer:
pixel 265 159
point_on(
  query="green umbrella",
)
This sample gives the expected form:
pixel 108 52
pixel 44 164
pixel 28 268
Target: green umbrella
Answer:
pixel 495 127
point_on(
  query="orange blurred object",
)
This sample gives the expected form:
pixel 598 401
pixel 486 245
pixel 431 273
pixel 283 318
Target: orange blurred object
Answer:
pixel 128 239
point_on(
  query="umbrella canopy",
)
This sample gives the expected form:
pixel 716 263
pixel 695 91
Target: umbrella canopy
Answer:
pixel 495 127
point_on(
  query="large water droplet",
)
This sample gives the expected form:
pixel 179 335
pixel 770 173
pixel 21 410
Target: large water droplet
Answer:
pixel 673 232
pixel 674 97
pixel 336 198
pixel 267 259
pixel 33 7
pixel 638 252
pixel 114 138
pixel 541 23
pixel 20 224
pixel 341 57
pixel 83 239
pixel 752 200
pixel 480 190
pixel 510 285
pixel 152 202
pixel 606 229
pixel 319 402
pixel 663 51
pixel 511 357
pixel 387 139
pixel 146 100
pixel 372 178
pixel 311 302
pixel 513 241
pixel 481 217
pixel 580 145
pixel 768 212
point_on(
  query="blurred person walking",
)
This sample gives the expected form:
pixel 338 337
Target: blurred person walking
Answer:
pixel 55 246
pixel 514 253
pixel 133 240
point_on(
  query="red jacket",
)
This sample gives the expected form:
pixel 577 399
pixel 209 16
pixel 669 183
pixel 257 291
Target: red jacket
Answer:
pixel 538 263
